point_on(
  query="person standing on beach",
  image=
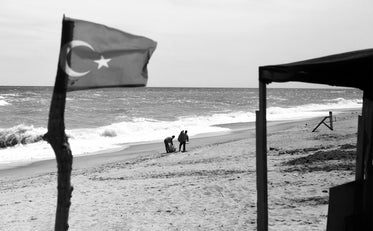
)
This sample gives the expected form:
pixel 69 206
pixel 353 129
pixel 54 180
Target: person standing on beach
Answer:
pixel 168 142
pixel 179 138
pixel 183 138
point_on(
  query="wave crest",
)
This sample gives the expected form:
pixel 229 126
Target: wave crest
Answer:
pixel 20 134
pixel 109 133
pixel 3 102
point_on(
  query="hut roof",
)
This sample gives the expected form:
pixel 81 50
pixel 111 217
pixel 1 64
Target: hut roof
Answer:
pixel 350 69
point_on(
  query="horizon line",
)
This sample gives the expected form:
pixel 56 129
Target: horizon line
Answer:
pixel 272 87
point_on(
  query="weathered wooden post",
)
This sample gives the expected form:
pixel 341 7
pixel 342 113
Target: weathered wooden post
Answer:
pixel 57 138
pixel 331 120
pixel 261 161
pixel 367 146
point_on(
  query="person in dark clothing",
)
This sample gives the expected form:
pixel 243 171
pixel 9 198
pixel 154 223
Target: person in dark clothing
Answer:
pixel 167 143
pixel 179 138
pixel 183 138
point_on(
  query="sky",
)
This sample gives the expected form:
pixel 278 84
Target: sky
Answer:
pixel 201 43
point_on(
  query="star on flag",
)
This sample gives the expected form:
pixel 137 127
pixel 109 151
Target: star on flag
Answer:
pixel 102 62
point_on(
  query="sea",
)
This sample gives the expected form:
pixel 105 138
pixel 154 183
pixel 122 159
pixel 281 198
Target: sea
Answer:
pixel 114 118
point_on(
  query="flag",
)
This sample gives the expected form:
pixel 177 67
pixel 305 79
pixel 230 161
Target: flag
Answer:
pixel 96 56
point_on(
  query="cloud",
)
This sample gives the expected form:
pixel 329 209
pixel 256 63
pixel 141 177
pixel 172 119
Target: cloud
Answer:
pixel 200 40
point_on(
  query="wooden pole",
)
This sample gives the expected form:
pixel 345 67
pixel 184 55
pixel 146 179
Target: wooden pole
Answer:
pixel 359 171
pixel 58 140
pixel 357 222
pixel 261 161
pixel 367 116
pixel 331 120
pixel 363 176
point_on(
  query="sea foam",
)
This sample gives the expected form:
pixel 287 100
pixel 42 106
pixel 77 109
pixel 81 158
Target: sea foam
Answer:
pixel 27 145
pixel 3 102
pixel 20 134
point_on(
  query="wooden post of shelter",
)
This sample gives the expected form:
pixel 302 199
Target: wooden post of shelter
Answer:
pixel 359 170
pixel 261 161
pixel 359 179
pixel 57 138
pixel 356 215
pixel 364 171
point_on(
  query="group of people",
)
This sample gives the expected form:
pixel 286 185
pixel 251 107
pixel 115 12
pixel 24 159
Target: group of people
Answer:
pixel 183 138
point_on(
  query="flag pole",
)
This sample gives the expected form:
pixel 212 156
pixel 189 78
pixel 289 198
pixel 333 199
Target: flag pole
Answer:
pixel 57 138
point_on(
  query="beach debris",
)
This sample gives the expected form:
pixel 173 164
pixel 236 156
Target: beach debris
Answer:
pixel 320 156
pixel 311 201
pixel 330 126
pixel 348 146
pixel 303 150
pixel 326 160
pixel 330 137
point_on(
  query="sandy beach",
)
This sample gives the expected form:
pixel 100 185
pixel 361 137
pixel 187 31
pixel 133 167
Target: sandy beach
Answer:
pixel 212 186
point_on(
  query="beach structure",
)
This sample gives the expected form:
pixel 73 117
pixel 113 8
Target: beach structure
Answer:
pixel 330 125
pixel 350 205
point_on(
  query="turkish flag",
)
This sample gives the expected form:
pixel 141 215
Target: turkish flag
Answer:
pixel 99 56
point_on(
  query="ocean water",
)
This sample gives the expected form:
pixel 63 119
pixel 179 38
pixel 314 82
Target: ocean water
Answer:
pixel 114 118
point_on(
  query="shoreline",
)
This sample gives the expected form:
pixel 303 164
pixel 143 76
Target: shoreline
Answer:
pixel 129 151
pixel 212 186
pixel 133 150
pixel 234 127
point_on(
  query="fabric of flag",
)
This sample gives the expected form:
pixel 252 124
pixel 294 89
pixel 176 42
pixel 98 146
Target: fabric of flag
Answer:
pixel 98 56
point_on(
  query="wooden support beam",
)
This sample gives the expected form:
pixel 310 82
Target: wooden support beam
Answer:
pixel 359 172
pixel 363 195
pixel 261 161
pixel 367 116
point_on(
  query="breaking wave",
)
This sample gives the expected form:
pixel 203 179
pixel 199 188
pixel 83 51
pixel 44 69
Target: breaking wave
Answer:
pixel 311 110
pixel 3 102
pixel 20 134
pixel 24 143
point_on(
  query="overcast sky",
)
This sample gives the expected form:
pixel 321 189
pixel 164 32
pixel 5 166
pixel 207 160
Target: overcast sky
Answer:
pixel 201 43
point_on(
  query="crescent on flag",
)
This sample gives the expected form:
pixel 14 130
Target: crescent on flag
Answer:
pixel 63 59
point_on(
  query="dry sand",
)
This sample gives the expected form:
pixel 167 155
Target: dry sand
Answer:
pixel 212 186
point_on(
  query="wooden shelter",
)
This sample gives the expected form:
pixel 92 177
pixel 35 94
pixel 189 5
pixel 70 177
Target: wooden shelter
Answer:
pixel 352 69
